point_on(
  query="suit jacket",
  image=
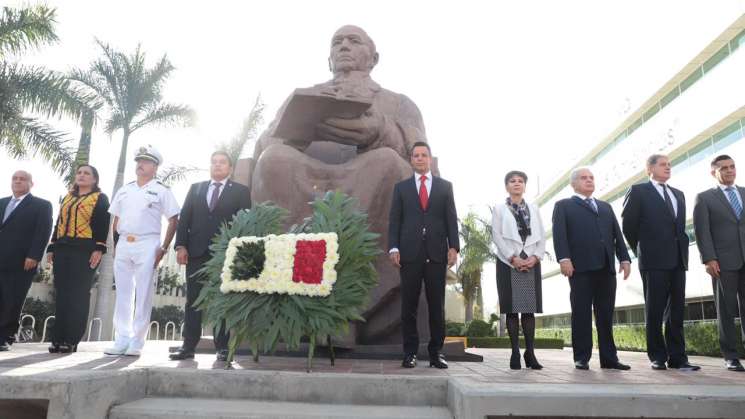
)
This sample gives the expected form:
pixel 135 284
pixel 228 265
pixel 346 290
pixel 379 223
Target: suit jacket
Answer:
pixel 655 236
pixel 719 234
pixel 411 227
pixel 197 225
pixel 25 233
pixel 589 239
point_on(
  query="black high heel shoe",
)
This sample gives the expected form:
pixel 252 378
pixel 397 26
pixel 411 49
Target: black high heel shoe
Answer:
pixel 531 362
pixel 54 348
pixel 515 361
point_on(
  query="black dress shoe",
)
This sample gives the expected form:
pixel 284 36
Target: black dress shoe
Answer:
pixel 182 354
pixel 731 364
pixel 659 366
pixel 53 348
pixel 438 361
pixel 616 366
pixel 221 355
pixel 684 366
pixel 66 348
pixel 581 365
pixel 4 347
pixel 409 361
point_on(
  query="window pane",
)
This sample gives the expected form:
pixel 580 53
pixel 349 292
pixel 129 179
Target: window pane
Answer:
pixel 727 136
pixel 716 58
pixel 651 112
pixel 669 97
pixel 688 82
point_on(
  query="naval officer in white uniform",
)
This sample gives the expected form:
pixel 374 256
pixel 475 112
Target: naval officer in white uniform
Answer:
pixel 138 208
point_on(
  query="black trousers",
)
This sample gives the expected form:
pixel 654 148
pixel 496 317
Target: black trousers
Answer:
pixel 192 316
pixel 593 292
pixel 664 296
pixel 73 277
pixel 433 277
pixel 729 297
pixel 14 286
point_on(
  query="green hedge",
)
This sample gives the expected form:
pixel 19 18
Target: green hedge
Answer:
pixel 504 342
pixel 702 338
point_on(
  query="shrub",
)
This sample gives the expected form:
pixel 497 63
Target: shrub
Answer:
pixel 40 310
pixel 478 328
pixel 504 342
pixel 702 338
pixel 165 314
pixel 455 329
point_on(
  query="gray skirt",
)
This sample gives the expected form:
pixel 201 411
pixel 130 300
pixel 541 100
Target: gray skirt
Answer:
pixel 519 292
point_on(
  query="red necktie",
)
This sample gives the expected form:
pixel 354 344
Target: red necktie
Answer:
pixel 423 198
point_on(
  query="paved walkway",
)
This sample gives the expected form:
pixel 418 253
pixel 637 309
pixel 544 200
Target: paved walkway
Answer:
pixel 33 358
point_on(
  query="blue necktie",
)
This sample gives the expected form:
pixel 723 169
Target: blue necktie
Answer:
pixel 592 204
pixel 733 201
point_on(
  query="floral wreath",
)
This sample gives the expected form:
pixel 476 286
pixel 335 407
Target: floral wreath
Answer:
pixel 269 286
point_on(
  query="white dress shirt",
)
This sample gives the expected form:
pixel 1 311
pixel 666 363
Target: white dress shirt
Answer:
pixel 212 187
pixel 661 191
pixel 418 182
pixel 140 208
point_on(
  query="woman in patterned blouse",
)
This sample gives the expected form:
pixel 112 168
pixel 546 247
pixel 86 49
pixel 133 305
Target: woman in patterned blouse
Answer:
pixel 78 242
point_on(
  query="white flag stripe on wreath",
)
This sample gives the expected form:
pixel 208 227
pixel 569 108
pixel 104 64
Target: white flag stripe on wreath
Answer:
pixel 277 275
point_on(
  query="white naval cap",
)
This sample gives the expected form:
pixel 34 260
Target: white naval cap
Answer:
pixel 149 152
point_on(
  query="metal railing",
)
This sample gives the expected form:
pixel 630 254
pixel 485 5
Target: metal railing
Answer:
pixel 90 328
pixel 44 330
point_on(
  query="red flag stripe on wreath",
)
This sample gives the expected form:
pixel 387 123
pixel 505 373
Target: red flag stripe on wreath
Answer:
pixel 296 264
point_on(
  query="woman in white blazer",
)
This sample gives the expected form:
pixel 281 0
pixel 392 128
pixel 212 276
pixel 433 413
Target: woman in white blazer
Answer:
pixel 517 231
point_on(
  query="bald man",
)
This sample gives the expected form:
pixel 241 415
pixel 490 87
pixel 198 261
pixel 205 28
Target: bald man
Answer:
pixel 24 233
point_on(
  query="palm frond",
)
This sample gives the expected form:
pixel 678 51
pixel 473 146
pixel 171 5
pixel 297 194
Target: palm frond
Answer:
pixel 166 114
pixel 248 132
pixel 25 28
pixel 44 92
pixel 175 174
pixel 24 137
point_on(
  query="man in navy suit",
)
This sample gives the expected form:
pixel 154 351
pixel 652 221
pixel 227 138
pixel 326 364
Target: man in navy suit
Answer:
pixel 654 218
pixel 586 237
pixel 207 206
pixel 423 242
pixel 25 227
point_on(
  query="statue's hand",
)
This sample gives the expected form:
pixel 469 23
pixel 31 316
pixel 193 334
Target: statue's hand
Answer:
pixel 361 131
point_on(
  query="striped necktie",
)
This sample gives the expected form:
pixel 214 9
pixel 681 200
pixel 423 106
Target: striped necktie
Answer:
pixel 733 201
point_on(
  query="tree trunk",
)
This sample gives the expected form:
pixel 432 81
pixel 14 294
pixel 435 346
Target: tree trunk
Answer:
pixel 479 314
pixel 469 307
pixel 84 146
pixel 105 299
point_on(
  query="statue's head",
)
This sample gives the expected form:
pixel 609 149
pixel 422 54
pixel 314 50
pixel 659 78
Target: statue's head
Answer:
pixel 352 50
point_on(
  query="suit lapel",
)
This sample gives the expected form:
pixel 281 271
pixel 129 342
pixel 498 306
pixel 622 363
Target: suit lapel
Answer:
pixel 719 193
pixel 413 190
pixel 651 189
pixel 582 203
pixel 23 204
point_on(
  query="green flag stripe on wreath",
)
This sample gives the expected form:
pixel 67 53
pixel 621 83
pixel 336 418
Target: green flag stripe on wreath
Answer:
pixel 265 319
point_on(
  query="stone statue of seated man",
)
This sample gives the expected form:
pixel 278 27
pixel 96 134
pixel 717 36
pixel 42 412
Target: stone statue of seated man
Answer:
pixel 362 156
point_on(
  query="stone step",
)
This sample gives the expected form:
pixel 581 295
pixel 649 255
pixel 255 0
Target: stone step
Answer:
pixel 195 408
pixel 301 387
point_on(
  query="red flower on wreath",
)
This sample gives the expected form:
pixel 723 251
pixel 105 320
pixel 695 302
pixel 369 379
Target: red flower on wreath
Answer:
pixel 309 258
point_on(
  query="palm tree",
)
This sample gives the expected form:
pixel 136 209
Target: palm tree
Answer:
pixel 475 252
pixel 248 132
pixel 132 95
pixel 33 89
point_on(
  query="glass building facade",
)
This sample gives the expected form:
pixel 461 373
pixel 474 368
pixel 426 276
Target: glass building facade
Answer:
pixel 698 114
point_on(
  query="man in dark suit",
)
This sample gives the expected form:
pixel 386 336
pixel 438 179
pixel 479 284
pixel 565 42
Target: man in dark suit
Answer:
pixel 586 237
pixel 207 206
pixel 720 237
pixel 654 219
pixel 423 242
pixel 25 227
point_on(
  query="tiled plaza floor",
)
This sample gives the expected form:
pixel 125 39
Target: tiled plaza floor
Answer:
pixel 33 358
